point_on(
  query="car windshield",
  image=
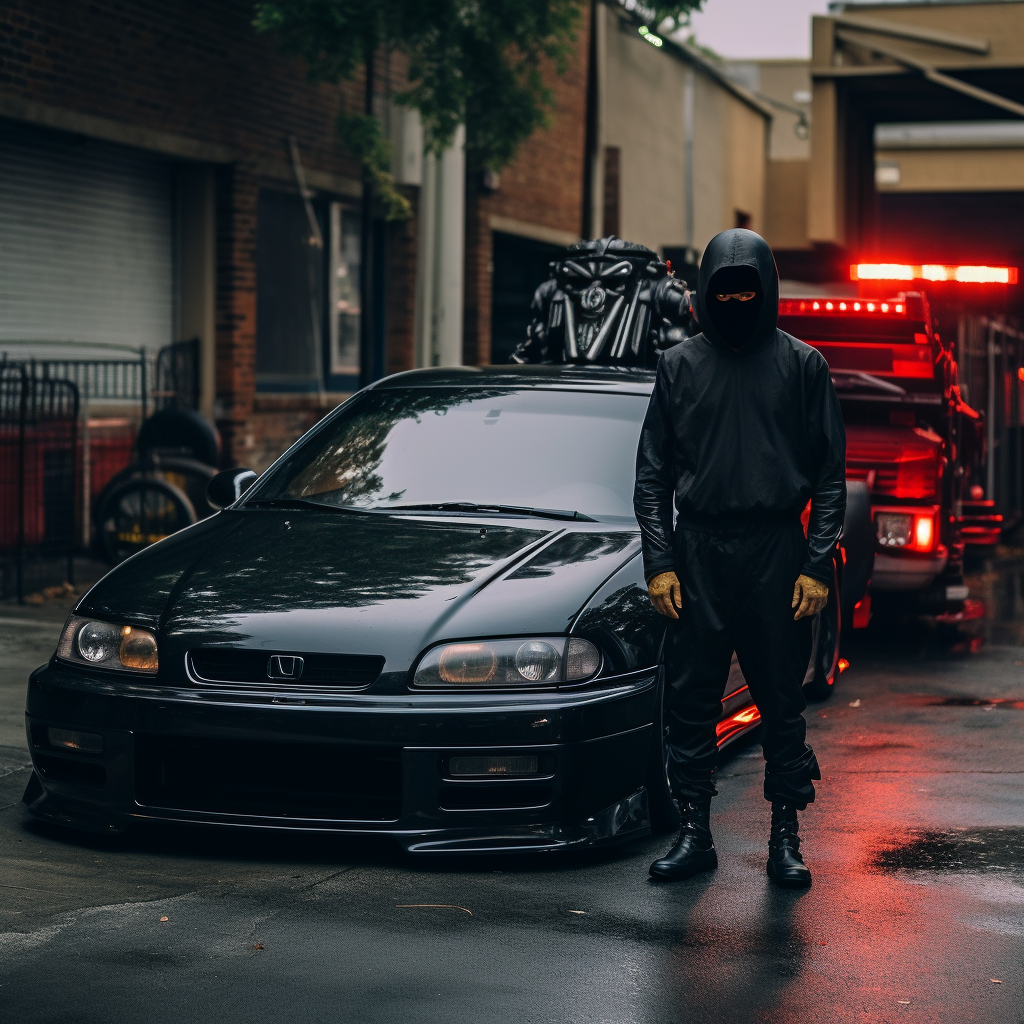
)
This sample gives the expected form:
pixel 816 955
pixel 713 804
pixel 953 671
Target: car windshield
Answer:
pixel 531 449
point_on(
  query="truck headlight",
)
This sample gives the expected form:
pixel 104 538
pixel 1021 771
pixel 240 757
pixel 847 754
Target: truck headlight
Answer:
pixel 542 662
pixel 109 645
pixel 894 529
pixel 909 531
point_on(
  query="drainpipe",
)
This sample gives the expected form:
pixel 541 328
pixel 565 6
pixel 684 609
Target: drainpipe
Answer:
pixel 689 89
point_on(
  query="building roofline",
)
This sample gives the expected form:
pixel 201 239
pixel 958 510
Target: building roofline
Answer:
pixel 840 6
pixel 691 55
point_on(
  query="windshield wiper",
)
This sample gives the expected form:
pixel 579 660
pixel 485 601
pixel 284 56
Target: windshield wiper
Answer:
pixel 298 503
pixel 469 506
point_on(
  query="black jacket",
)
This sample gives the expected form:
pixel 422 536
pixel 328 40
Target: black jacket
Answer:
pixel 740 435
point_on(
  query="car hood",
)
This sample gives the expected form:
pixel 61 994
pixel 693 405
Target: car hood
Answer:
pixel 305 581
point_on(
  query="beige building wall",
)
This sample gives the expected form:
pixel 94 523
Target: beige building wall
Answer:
pixel 786 86
pixel 866 40
pixel 642 113
pixel 949 170
pixel 786 204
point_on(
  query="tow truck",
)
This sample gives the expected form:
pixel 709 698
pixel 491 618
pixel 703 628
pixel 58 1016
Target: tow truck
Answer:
pixel 911 439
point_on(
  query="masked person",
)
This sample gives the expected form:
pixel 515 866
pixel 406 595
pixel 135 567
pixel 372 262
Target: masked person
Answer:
pixel 744 427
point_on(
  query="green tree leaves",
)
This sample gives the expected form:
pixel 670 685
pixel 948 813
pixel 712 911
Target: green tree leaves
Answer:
pixel 477 62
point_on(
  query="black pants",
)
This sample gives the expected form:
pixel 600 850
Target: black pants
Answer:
pixel 737 595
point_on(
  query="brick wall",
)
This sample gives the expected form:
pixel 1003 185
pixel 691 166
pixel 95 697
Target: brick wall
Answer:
pixel 542 187
pixel 199 71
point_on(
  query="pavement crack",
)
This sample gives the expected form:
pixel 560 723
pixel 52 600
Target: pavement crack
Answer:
pixel 31 888
pixel 321 881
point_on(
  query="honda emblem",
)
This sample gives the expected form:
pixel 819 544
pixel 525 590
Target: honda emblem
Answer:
pixel 284 667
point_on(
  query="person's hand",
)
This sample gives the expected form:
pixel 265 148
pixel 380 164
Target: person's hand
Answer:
pixel 809 596
pixel 666 594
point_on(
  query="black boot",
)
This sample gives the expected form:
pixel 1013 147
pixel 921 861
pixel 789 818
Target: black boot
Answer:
pixel 786 868
pixel 694 850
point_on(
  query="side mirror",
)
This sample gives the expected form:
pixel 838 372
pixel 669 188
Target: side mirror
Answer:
pixel 226 488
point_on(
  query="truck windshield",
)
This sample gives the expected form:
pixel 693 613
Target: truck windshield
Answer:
pixel 882 346
pixel 541 449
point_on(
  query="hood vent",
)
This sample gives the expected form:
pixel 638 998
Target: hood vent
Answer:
pixel 225 666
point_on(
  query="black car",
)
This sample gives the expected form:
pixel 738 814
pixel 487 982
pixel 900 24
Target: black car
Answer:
pixel 427 619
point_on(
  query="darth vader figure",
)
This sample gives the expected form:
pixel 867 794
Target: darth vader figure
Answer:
pixel 608 302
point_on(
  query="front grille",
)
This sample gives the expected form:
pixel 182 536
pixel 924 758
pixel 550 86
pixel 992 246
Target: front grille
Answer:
pixel 267 779
pixel 496 796
pixel 232 665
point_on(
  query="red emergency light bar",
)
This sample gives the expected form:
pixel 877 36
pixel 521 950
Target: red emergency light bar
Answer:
pixel 811 307
pixel 932 272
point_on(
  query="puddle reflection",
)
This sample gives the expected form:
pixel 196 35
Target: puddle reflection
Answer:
pixel 1000 585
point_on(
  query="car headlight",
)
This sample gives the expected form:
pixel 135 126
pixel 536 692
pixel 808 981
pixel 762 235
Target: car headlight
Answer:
pixel 543 662
pixel 108 645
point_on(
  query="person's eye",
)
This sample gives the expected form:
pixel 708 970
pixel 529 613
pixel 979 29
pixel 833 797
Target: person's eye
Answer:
pixel 722 298
pixel 745 296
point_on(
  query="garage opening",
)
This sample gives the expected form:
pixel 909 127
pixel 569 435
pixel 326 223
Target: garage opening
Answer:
pixel 87 229
pixel 520 265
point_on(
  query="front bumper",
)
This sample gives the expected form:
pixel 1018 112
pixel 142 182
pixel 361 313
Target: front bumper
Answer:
pixel 357 763
pixel 906 571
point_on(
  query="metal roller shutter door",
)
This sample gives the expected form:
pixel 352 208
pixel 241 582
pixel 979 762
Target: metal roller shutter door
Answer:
pixel 86 241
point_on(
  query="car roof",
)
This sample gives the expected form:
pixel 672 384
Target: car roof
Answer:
pixel 626 379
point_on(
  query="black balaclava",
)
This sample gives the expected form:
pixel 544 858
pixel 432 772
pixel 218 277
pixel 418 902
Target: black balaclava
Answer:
pixel 735 320
pixel 737 254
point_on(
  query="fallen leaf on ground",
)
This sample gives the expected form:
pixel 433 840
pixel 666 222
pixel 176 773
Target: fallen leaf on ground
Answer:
pixel 996 981
pixel 164 918
pixel 259 945
pixel 432 906
pixel 855 703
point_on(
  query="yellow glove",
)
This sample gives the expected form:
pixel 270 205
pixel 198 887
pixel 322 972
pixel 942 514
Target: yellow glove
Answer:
pixel 810 595
pixel 666 594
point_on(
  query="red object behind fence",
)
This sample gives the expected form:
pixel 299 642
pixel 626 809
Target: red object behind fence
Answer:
pixel 111 449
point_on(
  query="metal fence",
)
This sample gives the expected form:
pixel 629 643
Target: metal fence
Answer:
pixel 38 437
pixel 55 457
pixel 166 378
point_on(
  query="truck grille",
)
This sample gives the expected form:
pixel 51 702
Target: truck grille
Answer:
pixel 231 665
pixel 880 479
pixel 318 781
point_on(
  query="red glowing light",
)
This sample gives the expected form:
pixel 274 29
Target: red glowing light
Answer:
pixel 933 272
pixel 796 307
pixel 843 665
pixel 924 532
pixel 1020 374
pixel 882 272
pixel 737 722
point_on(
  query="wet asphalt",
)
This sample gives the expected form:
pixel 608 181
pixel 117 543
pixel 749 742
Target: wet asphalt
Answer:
pixel 916 913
